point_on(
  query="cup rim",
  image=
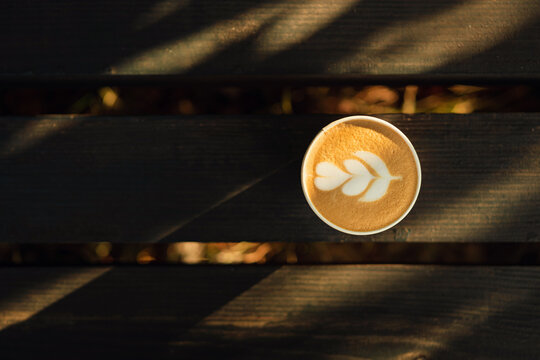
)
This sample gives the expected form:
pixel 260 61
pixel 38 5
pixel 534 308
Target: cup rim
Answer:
pixel 379 121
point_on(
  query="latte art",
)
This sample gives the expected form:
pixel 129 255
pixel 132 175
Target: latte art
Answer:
pixel 359 180
pixel 361 175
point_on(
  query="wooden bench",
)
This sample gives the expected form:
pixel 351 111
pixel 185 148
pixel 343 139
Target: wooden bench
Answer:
pixel 236 178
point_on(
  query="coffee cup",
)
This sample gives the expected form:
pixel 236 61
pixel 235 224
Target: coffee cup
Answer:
pixel 361 175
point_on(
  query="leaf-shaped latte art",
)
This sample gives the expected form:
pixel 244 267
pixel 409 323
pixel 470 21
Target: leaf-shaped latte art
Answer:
pixel 377 190
pixel 376 163
pixel 360 178
pixel 379 187
pixel 330 176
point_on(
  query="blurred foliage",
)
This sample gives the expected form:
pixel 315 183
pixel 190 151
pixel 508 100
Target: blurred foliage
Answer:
pixel 269 253
pixel 373 99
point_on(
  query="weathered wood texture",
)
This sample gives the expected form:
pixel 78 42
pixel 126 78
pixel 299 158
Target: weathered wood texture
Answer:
pixel 300 312
pixel 371 39
pixel 219 178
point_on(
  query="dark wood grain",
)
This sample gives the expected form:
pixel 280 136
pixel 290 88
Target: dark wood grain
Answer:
pixel 222 178
pixel 179 40
pixel 306 312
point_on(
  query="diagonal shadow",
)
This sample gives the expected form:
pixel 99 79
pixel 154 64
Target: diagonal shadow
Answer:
pixel 364 23
pixel 463 166
pixel 437 313
pixel 137 179
pixel 104 196
pixel 317 312
pixel 124 311
pixel 363 20
pixel 519 318
pixel 110 32
pixel 131 179
pixel 469 160
pixel 277 200
pixel 149 32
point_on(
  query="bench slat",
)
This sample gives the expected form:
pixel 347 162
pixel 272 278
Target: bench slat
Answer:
pixel 224 178
pixel 346 39
pixel 311 312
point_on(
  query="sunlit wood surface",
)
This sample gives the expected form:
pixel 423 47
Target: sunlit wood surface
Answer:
pixel 290 312
pixel 237 178
pixel 389 39
pixel 205 178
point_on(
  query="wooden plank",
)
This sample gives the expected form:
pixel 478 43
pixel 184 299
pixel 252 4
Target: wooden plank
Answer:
pixel 222 178
pixel 207 39
pixel 306 312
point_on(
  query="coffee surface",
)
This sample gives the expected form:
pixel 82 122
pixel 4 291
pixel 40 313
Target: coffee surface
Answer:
pixel 360 175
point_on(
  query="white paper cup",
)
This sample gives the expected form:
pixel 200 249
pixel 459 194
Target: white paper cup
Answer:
pixel 379 121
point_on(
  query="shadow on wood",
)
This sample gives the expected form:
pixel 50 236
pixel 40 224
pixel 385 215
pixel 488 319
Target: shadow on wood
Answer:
pixel 122 313
pixel 218 178
pixel 311 312
pixel 317 39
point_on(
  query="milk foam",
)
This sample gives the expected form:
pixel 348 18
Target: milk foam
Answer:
pixel 361 175
pixel 359 180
